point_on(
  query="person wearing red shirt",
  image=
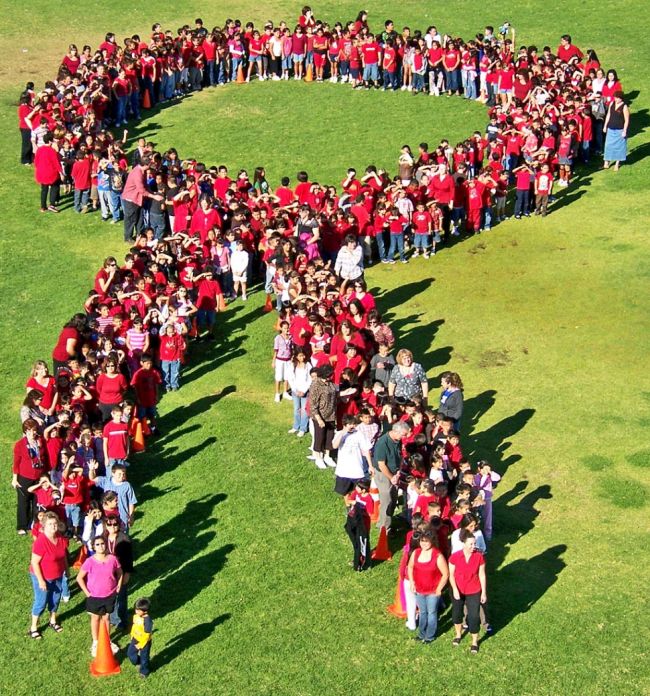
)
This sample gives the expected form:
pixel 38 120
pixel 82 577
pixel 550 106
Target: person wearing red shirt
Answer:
pixel 389 65
pixel 567 52
pixel 303 188
pixel 421 221
pixel 49 565
pixel 207 302
pixel 473 205
pixel 255 53
pixel 441 187
pixel 523 176
pixel 171 350
pixel 428 574
pixel 145 381
pixel 111 387
pixel 370 53
pixel 469 588
pixel 48 172
pixel 30 462
pixel 81 177
pixel 451 64
pixel 26 149
pixel 543 189
pixel 116 443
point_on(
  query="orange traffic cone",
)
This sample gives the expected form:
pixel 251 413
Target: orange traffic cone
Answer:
pixel 105 662
pixel 398 607
pixel 83 555
pixel 240 75
pixel 137 439
pixel 268 306
pixel 309 75
pixel 381 551
pixel 374 494
pixel 146 100
pixel 221 302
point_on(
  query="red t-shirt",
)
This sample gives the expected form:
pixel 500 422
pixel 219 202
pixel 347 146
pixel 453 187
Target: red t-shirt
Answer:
pixel 110 390
pixel 145 383
pixel 370 52
pixel 52 556
pixel 426 576
pixel 60 353
pixel 466 572
pixel 117 439
pixel 208 291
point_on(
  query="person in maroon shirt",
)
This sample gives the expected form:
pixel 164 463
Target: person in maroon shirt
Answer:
pixel 48 172
pixel 26 150
pixel 442 189
pixel 133 195
pixel 68 344
pixel 30 463
pixel 469 588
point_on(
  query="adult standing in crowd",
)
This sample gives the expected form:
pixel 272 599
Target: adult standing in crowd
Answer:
pixel 469 588
pixel 133 195
pixel 48 566
pixel 322 404
pixel 451 398
pixel 617 123
pixel 408 379
pixel 48 173
pixel 386 461
pixel 119 545
pixel 30 463
pixel 349 260
pixel 68 344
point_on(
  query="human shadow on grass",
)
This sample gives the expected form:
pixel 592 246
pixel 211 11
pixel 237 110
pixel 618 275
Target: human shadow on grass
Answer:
pixel 186 640
pixel 514 517
pixel 516 587
pixel 219 354
pixel 186 412
pixel 181 586
pixel 403 294
pixel 195 517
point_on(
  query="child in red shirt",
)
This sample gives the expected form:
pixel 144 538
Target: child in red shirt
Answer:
pixel 145 381
pixel 357 525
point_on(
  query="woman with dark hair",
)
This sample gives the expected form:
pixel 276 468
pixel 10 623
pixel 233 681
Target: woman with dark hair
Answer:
pixel 111 388
pixel 30 463
pixel 611 86
pixel 26 149
pixel 617 123
pixel 119 545
pixel 41 379
pixel 299 379
pixel 357 315
pixel 451 398
pixel 322 402
pixel 68 344
pixel 428 574
pixel 381 332
pixel 32 408
pixel 469 588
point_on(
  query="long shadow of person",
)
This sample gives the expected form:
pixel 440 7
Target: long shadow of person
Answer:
pixel 514 518
pixel 514 589
pixel 180 586
pixel 188 639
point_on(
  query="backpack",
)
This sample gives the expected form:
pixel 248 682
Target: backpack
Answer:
pixel 599 110
pixel 117 180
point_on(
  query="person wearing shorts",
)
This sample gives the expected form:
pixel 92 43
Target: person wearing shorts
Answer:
pixel 100 579
pixel 281 363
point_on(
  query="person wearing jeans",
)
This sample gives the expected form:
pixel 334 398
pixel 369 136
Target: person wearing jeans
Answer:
pixel 133 195
pixel 428 574
pixel 299 379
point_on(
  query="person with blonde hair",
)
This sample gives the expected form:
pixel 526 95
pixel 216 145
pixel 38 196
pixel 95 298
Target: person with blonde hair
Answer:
pixel 408 378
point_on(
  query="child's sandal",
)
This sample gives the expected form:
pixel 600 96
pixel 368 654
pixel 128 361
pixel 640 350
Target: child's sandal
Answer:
pixel 57 628
pixel 35 635
pixel 455 642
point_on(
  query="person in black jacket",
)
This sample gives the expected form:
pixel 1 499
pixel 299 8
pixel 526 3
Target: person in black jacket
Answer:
pixel 451 398
pixel 119 544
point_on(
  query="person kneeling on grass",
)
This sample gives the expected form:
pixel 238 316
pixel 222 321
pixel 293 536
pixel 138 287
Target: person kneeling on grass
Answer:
pixel 100 579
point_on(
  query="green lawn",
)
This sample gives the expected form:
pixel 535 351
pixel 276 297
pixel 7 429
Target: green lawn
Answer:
pixel 240 541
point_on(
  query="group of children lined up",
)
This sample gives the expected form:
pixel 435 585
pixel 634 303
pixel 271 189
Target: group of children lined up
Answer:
pixel 81 426
pixel 546 109
pixel 333 357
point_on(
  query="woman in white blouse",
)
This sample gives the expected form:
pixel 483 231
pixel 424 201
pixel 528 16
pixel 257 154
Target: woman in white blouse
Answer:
pixel 299 379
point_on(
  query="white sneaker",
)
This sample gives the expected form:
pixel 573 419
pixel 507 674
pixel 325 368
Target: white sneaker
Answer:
pixel 416 253
pixel 293 431
pixel 278 398
pixel 403 88
pixel 93 649
pixel 320 464
pixel 312 457
pixel 329 461
pixel 410 628
pixel 115 648
pixel 244 298
pixel 276 77
pixel 301 433
pixel 426 255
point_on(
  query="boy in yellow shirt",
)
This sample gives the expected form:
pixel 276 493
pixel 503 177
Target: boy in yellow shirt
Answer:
pixel 140 645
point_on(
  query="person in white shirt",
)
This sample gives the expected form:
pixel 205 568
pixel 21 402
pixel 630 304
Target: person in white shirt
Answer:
pixel 299 378
pixel 469 522
pixel 353 461
pixel 239 268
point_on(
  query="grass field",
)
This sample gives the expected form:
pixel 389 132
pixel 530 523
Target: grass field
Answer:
pixel 240 541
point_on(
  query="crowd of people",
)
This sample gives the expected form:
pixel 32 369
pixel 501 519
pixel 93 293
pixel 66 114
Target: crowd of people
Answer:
pixel 199 238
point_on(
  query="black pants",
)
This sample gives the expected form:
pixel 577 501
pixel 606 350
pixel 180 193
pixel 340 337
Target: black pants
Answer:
pixel 26 152
pixel 446 221
pixel 275 65
pixel 53 190
pixel 132 219
pixel 323 436
pixel 355 526
pixel 473 603
pixel 26 510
